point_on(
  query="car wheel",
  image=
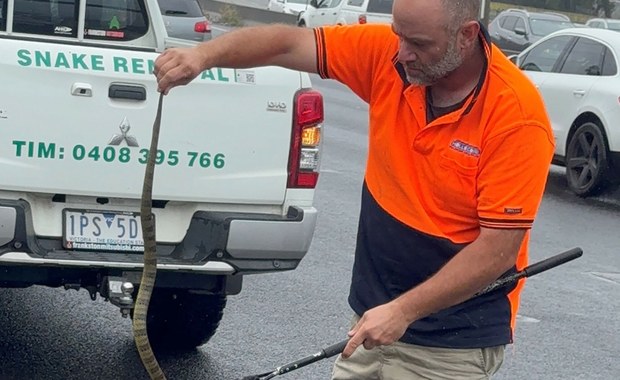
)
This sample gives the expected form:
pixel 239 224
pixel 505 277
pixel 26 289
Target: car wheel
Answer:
pixel 179 320
pixel 587 160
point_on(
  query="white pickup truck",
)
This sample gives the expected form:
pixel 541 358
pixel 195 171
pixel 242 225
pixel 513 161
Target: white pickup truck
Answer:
pixel 345 12
pixel 237 164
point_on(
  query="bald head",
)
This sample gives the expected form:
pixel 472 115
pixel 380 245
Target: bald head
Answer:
pixel 461 11
pixel 450 14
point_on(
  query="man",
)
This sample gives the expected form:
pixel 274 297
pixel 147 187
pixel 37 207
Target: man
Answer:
pixel 459 151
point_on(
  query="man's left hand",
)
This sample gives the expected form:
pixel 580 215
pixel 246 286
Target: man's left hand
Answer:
pixel 380 326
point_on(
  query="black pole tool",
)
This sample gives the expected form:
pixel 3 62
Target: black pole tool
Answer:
pixel 337 348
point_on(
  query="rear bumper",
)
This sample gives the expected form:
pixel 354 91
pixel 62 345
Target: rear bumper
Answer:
pixel 216 243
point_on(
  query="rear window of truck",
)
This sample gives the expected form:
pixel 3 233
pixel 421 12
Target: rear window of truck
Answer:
pixel 46 17
pixel 112 20
pixel 380 6
pixel 2 15
pixel 115 19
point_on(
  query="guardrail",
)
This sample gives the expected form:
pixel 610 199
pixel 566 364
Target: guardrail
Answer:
pixel 249 14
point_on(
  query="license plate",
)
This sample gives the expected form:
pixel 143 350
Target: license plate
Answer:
pixel 102 230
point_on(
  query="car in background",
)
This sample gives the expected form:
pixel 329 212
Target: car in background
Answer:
pixel 287 6
pixel 185 19
pixel 320 12
pixel 576 72
pixel 345 12
pixel 604 23
pixel 513 30
pixel 366 12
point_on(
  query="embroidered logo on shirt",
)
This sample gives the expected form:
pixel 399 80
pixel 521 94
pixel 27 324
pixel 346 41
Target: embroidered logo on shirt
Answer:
pixel 513 211
pixel 464 147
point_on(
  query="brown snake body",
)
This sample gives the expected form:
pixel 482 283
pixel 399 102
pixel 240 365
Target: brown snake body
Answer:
pixel 149 271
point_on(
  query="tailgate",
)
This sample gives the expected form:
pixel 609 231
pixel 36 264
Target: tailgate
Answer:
pixel 66 126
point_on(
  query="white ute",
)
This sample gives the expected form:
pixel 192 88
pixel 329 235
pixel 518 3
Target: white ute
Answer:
pixel 234 185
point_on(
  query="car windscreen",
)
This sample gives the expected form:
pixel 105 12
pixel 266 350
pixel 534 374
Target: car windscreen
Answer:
pixel 180 8
pixel 298 1
pixel 380 6
pixel 542 27
pixel 613 25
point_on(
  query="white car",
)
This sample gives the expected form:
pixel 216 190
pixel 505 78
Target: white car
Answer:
pixel 287 6
pixel 604 23
pixel 320 12
pixel 576 71
pixel 343 12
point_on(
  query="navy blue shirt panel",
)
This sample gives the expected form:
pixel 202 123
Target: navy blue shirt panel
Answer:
pixel 392 258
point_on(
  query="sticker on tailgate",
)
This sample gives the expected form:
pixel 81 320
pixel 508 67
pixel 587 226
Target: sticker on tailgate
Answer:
pixel 116 154
pixel 136 65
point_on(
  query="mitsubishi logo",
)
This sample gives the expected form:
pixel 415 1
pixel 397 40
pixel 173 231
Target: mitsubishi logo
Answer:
pixel 118 139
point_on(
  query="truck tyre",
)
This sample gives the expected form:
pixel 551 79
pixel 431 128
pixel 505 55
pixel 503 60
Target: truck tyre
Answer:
pixel 179 320
pixel 587 160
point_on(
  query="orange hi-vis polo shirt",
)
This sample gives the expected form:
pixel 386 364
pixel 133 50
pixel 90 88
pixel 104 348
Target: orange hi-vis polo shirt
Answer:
pixel 429 187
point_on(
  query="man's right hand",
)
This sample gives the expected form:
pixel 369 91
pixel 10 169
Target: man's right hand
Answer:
pixel 177 67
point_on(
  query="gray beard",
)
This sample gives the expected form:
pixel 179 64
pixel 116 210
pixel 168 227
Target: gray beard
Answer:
pixel 431 73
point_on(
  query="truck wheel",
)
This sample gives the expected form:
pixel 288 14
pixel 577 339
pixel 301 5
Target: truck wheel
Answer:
pixel 586 160
pixel 180 320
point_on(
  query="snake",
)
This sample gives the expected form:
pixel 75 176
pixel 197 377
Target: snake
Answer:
pixel 149 271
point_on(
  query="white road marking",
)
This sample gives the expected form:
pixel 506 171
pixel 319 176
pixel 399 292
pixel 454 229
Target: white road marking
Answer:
pixel 613 278
pixel 525 319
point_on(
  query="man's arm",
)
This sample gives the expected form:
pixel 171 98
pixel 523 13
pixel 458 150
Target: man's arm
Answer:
pixel 473 268
pixel 278 45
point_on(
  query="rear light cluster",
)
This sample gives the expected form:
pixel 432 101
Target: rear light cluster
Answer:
pixel 202 27
pixel 303 166
pixel 361 19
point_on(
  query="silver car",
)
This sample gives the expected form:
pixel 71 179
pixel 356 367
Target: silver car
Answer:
pixel 185 19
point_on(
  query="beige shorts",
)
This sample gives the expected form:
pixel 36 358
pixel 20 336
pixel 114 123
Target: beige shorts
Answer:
pixel 401 361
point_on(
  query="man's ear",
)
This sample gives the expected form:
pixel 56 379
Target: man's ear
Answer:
pixel 468 34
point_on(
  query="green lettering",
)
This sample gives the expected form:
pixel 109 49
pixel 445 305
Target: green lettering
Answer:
pixel 207 74
pixel 120 64
pixel 62 61
pixel 221 77
pixel 42 59
pixel 18 147
pixel 151 66
pixel 78 61
pixel 24 57
pixel 137 66
pixel 96 62
pixel 46 151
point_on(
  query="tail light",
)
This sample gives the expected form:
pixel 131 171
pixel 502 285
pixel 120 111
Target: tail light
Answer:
pixel 202 27
pixel 361 19
pixel 303 166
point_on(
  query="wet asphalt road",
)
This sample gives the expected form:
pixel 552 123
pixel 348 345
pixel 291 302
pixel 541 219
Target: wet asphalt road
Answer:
pixel 568 324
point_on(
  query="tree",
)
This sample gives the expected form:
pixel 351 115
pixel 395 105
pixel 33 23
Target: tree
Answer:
pixel 603 8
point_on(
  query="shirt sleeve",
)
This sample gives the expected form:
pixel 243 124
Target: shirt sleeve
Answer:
pixel 513 174
pixel 352 54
